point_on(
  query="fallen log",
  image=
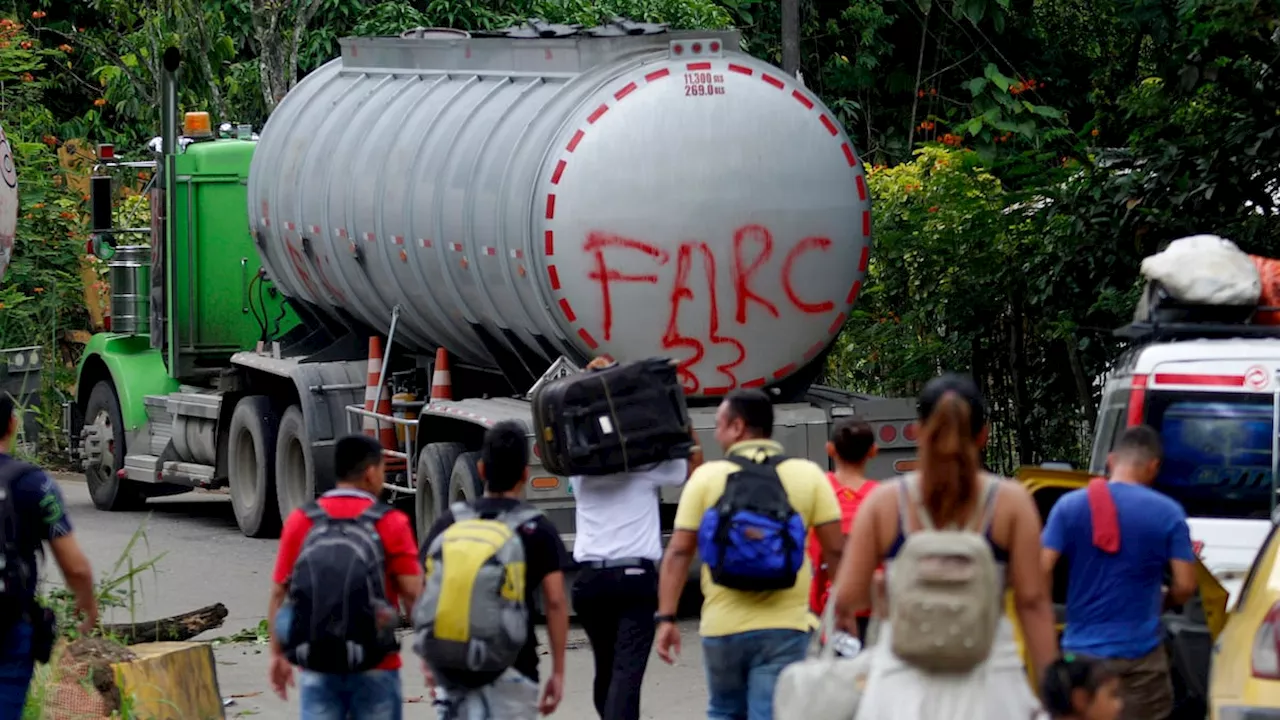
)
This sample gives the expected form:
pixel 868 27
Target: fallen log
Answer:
pixel 176 628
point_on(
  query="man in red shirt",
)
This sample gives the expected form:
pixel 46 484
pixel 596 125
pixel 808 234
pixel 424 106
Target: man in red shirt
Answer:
pixel 851 446
pixel 375 694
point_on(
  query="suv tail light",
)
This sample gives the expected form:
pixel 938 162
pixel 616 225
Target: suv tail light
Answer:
pixel 1137 400
pixel 1266 646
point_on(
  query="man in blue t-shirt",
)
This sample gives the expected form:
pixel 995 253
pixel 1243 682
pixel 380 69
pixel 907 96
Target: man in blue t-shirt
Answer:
pixel 32 516
pixel 1115 596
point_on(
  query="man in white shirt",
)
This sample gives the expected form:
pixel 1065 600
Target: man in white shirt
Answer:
pixel 617 546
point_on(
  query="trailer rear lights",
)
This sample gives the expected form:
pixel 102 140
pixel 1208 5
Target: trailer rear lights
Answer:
pixel 905 466
pixel 106 151
pixel 197 125
pixel 911 432
pixel 888 433
pixel 545 483
pixel 1265 659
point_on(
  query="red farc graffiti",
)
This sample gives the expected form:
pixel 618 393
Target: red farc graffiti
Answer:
pixel 753 247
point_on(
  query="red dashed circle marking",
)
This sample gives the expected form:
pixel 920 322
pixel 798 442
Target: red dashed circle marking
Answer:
pixel 799 96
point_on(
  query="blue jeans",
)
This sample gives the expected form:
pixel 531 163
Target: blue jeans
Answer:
pixel 742 670
pixel 16 669
pixel 373 695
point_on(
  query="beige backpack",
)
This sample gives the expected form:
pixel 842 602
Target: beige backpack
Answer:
pixel 944 587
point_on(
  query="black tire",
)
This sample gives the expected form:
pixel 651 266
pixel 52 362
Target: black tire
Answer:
pixel 295 470
pixel 251 466
pixel 108 490
pixel 435 466
pixel 464 482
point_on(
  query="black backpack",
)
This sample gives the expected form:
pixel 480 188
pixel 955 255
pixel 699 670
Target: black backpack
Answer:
pixel 341 621
pixel 16 573
pixel 752 539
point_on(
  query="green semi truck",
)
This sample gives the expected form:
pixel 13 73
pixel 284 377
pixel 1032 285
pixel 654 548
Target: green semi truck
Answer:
pixel 515 203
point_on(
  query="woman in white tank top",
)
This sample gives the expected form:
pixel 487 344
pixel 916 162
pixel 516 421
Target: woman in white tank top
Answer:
pixel 953 414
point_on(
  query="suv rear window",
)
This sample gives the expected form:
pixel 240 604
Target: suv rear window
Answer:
pixel 1217 451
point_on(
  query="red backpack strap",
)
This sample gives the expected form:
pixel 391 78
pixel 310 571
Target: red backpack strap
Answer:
pixel 1103 516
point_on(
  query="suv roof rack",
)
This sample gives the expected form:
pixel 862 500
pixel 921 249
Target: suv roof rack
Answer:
pixel 1141 332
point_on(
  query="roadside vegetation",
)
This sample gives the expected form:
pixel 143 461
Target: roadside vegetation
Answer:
pixel 1024 156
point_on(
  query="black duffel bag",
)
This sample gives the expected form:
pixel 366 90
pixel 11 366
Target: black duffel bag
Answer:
pixel 612 420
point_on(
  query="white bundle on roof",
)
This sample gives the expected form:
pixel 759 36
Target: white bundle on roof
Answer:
pixel 1205 270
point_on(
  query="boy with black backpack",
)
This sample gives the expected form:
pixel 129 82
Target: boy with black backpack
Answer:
pixel 748 517
pixel 484 562
pixel 347 562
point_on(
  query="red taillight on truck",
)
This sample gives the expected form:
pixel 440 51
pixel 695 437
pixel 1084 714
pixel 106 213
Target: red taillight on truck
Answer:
pixel 1137 400
pixel 1266 646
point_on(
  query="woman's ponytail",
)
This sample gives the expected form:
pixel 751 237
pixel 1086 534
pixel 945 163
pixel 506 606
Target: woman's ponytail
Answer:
pixel 948 459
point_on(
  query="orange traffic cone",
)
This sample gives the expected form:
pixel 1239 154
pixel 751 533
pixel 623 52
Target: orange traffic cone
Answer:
pixel 374 369
pixel 441 381
pixel 384 431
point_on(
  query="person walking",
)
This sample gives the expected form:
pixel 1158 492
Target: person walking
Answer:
pixel 346 564
pixel 851 447
pixel 32 513
pixel 617 547
pixel 920 669
pixel 485 563
pixel 1118 538
pixel 755 575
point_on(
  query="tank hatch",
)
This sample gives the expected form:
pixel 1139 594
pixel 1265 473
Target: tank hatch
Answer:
pixel 620 26
pixel 435 33
pixel 538 28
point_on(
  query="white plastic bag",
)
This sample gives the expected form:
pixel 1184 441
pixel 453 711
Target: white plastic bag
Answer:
pixel 1205 270
pixel 823 686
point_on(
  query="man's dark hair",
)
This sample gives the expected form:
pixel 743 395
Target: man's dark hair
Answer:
pixel 7 407
pixel 505 454
pixel 852 438
pixel 354 454
pixel 754 408
pixel 1139 443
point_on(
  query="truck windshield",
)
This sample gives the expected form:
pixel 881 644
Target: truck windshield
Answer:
pixel 1217 451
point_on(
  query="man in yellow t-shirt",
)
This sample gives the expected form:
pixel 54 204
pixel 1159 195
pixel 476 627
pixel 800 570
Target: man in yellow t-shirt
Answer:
pixel 747 637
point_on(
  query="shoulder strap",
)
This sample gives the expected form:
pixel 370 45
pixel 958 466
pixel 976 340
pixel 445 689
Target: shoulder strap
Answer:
pixel 518 516
pixel 315 513
pixel 909 495
pixel 462 511
pixel 767 461
pixel 990 488
pixel 375 512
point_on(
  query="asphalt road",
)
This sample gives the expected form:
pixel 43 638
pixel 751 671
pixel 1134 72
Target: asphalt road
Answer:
pixel 201 559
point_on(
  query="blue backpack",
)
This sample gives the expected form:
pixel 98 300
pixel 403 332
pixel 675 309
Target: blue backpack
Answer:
pixel 752 539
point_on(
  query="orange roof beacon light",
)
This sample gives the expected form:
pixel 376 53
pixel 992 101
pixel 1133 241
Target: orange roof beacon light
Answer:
pixel 197 125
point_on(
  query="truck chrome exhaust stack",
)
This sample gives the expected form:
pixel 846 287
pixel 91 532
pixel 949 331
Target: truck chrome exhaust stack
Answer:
pixel 170 61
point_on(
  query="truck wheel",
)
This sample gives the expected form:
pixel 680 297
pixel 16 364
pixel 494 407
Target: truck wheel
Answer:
pixel 464 483
pixel 251 466
pixel 435 465
pixel 295 483
pixel 106 425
